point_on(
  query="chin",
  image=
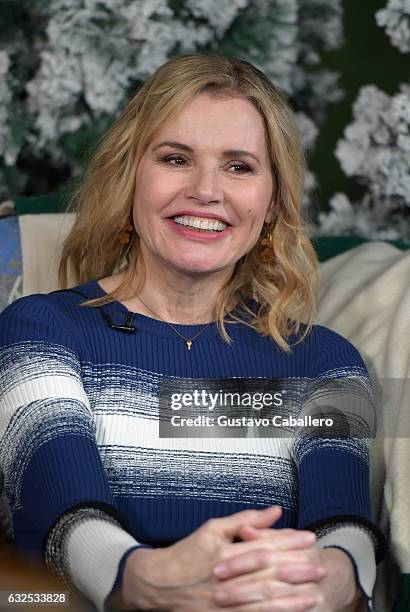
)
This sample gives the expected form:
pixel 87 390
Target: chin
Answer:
pixel 192 271
pixel 203 267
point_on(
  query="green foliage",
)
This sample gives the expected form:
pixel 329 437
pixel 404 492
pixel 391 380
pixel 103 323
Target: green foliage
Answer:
pixel 79 145
pixel 256 33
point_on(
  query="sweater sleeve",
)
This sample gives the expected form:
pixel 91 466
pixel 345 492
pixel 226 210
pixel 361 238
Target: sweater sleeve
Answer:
pixel 55 481
pixel 333 466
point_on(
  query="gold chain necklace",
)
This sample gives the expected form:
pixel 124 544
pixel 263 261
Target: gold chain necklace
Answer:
pixel 188 341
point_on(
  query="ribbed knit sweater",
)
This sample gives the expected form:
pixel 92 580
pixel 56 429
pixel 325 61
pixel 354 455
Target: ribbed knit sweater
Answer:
pixel 87 475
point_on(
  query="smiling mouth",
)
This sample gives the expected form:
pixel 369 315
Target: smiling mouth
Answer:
pixel 200 224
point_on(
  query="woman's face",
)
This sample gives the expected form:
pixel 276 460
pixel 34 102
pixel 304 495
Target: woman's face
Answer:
pixel 200 205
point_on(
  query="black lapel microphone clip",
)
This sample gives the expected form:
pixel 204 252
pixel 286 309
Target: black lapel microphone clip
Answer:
pixel 125 327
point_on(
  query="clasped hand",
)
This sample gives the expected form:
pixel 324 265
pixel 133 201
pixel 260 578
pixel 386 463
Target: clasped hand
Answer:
pixel 269 570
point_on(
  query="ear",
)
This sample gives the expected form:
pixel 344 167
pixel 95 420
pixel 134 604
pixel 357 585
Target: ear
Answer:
pixel 270 213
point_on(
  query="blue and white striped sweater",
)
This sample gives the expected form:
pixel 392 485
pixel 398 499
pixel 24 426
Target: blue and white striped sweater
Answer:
pixel 79 405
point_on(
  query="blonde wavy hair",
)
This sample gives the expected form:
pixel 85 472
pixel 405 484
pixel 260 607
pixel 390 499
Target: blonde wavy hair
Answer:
pixel 283 287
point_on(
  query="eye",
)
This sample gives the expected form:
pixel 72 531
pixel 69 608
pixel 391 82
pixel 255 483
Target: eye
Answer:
pixel 243 167
pixel 171 158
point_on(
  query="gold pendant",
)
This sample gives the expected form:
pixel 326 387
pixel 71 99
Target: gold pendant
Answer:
pixel 189 344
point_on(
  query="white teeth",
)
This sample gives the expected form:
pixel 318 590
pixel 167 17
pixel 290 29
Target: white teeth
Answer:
pixel 200 223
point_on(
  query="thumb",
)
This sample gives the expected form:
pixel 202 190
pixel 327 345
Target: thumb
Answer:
pixel 229 525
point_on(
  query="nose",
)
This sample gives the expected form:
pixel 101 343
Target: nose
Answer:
pixel 205 186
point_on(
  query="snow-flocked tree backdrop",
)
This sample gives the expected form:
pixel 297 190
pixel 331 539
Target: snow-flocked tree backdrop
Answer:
pixel 67 67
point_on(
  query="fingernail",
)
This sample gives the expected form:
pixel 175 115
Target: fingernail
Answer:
pixel 309 538
pixel 220 570
pixel 321 571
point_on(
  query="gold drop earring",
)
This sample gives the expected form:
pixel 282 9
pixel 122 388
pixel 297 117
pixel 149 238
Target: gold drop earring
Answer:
pixel 267 242
pixel 124 236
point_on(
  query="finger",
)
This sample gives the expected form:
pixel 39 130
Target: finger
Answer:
pixel 258 559
pixel 257 518
pixel 281 538
pixel 243 564
pixel 287 575
pixel 300 573
pixel 267 588
pixel 293 604
pixel 246 532
pixel 296 603
pixel 254 557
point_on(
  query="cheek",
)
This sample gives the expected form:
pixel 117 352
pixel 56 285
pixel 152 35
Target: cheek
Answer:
pixel 153 197
pixel 143 206
pixel 256 203
pixel 253 219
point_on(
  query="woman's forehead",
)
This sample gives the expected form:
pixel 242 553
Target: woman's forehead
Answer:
pixel 233 127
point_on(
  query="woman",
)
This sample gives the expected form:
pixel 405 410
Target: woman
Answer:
pixel 189 217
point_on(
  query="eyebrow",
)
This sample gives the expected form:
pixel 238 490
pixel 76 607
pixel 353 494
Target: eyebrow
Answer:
pixel 226 153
